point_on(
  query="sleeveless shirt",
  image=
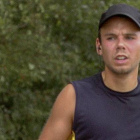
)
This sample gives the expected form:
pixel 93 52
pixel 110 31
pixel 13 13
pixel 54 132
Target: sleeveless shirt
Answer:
pixel 104 114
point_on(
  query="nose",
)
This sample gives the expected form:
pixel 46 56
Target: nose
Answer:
pixel 120 44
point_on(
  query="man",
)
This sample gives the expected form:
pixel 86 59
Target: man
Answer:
pixel 105 106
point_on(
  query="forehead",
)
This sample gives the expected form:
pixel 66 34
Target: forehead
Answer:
pixel 120 22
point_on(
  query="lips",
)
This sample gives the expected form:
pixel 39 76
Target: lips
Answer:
pixel 121 57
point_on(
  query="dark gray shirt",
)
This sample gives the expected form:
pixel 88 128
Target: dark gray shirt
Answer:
pixel 104 114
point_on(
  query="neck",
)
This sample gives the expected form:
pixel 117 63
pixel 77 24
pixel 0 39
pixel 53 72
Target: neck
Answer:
pixel 120 83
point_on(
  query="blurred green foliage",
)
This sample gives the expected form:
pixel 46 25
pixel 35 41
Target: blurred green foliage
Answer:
pixel 44 44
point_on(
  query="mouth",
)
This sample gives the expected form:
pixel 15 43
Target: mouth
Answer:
pixel 121 58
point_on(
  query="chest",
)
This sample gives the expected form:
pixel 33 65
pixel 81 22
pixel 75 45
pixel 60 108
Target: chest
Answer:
pixel 108 117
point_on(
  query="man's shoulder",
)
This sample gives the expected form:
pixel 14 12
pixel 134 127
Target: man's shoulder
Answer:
pixel 96 76
pixel 88 82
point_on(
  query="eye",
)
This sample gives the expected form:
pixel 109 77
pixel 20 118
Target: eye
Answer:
pixel 111 38
pixel 129 37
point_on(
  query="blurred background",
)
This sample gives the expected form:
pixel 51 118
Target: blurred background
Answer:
pixel 44 44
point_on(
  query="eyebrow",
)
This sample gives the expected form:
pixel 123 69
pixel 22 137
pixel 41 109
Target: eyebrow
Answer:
pixel 110 34
pixel 131 34
pixel 126 34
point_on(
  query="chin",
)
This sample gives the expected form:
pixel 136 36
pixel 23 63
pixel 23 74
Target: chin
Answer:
pixel 121 71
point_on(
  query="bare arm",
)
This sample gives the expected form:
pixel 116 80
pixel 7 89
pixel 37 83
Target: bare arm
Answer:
pixel 59 125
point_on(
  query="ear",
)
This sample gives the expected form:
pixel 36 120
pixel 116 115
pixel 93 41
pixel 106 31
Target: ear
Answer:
pixel 98 47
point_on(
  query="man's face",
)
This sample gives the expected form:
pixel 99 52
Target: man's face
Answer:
pixel 120 45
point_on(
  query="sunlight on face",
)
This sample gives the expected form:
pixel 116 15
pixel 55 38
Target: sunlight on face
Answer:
pixel 120 46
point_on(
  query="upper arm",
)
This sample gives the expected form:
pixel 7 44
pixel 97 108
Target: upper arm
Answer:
pixel 59 125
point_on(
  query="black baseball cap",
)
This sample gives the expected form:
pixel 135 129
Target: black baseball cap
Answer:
pixel 121 9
